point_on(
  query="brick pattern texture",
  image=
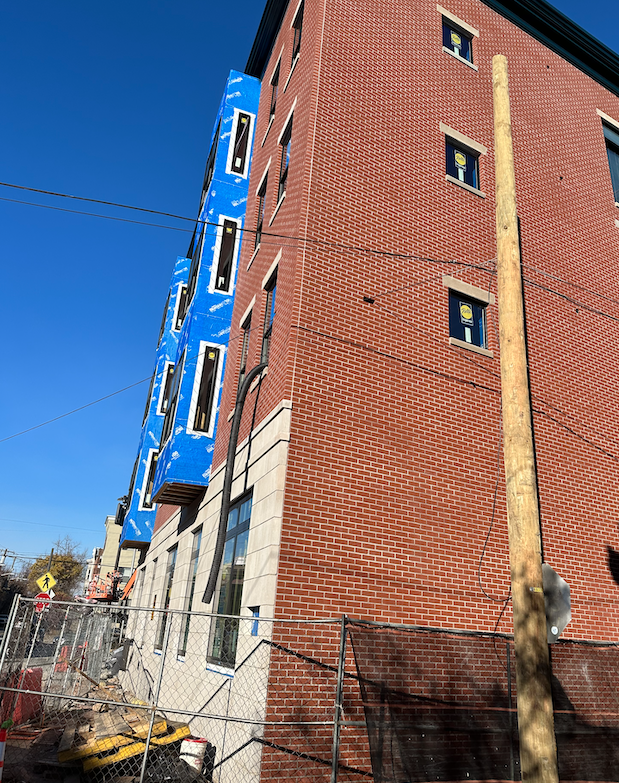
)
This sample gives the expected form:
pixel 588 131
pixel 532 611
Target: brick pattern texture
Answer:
pixel 395 444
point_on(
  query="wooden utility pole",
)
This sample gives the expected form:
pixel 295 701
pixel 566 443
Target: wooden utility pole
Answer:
pixel 538 753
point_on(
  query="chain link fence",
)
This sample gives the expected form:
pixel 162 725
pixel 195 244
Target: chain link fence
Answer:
pixel 125 695
pixel 122 694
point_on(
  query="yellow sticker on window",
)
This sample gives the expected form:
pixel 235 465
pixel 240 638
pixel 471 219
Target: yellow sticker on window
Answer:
pixel 211 354
pixel 460 159
pixel 466 313
pixel 455 39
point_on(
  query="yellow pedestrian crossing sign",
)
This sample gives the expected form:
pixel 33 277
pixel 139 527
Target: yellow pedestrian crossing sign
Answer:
pixel 46 582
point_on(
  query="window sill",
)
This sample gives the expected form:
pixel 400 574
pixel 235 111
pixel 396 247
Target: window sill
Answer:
pixel 292 67
pixel 470 347
pixel 279 203
pixel 617 203
pixel 254 254
pixel 213 667
pixel 266 133
pixel 231 414
pixel 470 188
pixel 460 59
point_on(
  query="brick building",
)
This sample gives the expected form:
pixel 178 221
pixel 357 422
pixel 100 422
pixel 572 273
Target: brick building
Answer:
pixel 368 474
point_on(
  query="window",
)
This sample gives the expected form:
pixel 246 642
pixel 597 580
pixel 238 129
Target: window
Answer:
pixel 262 195
pixel 149 479
pixel 611 136
pixel 132 482
pixel 246 327
pixel 163 320
pixel 467 319
pixel 193 270
pixel 210 166
pixel 457 41
pixel 274 90
pixel 181 307
pixel 241 144
pixel 170 413
pixel 269 316
pixel 193 570
pixel 152 598
pixel 225 630
pixel 167 591
pixel 226 256
pixel 149 398
pixel 205 408
pixel 285 161
pixel 462 163
pixel 166 387
pixel 297 26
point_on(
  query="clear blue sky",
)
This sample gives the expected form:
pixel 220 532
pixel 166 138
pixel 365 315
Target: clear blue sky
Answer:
pixel 112 101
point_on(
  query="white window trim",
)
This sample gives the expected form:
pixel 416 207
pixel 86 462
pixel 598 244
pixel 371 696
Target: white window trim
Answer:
pixel 457 21
pixel 164 377
pixel 296 13
pixel 287 121
pixel 253 255
pixel 218 240
pixel 265 174
pixel 472 291
pixel 250 139
pixel 180 364
pixel 452 133
pixel 460 59
pixel 267 278
pixel 247 312
pixel 266 133
pixel 465 185
pixel 469 347
pixel 277 206
pixel 141 506
pixel 204 344
pixel 292 67
pixel 177 304
pixel 607 118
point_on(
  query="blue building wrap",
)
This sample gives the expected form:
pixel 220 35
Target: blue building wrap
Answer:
pixel 141 510
pixel 184 464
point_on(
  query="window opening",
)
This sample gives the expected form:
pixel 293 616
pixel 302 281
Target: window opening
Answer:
pixel 163 320
pixel 462 163
pixel 225 630
pixel 457 41
pixel 241 140
pixel 169 579
pixel 262 194
pixel 206 393
pixel 132 482
pixel 269 316
pixel 297 26
pixel 611 135
pixel 147 500
pixel 467 319
pixel 170 414
pixel 168 375
pixel 274 91
pixel 181 307
pixel 193 272
pixel 153 598
pixel 226 256
pixel 193 570
pixel 246 327
pixel 149 398
pixel 210 165
pixel 285 161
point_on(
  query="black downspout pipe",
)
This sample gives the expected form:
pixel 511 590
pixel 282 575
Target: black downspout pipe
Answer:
pixel 228 476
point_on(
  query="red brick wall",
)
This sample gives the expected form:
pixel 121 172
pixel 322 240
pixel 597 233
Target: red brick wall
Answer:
pixel 164 513
pixel 393 455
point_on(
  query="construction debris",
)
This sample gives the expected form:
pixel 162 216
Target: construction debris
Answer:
pixel 109 738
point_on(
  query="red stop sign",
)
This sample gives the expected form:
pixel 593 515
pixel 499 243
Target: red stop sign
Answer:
pixel 43 601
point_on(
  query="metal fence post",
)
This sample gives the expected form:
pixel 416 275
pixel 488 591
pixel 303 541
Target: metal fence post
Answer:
pixel 8 631
pixel 341 665
pixel 164 650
